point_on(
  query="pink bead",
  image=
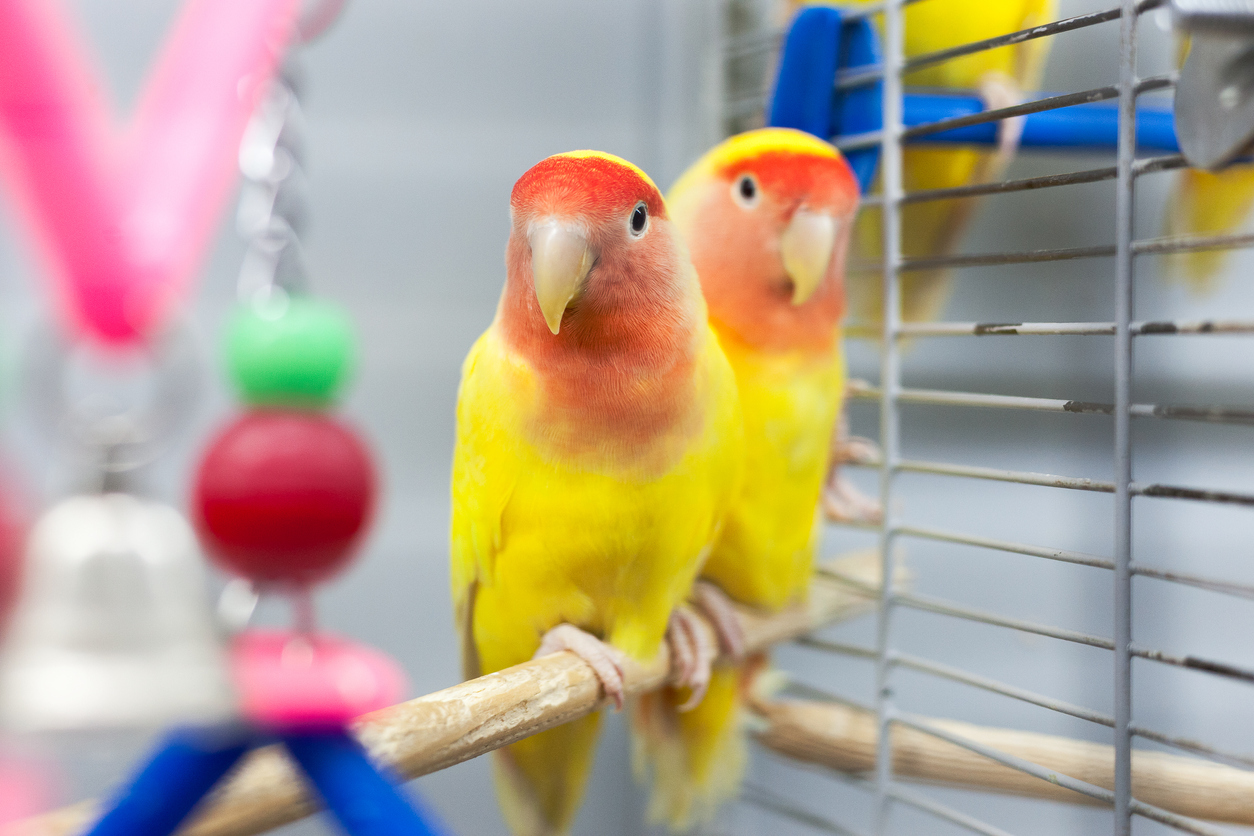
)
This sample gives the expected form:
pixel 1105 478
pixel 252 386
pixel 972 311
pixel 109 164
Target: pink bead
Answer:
pixel 13 526
pixel 289 680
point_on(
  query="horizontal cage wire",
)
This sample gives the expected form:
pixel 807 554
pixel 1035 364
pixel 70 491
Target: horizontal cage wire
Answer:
pixel 751 49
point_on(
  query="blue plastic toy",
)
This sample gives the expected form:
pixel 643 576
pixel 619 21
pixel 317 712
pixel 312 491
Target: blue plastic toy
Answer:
pixel 821 43
pixel 191 761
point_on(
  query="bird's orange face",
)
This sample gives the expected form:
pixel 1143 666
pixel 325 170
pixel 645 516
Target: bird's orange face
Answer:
pixel 590 232
pixel 601 300
pixel 767 216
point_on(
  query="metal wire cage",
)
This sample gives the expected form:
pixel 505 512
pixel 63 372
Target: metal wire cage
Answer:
pixel 1104 607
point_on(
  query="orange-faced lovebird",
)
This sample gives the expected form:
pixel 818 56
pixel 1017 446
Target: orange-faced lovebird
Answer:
pixel 767 216
pixel 599 448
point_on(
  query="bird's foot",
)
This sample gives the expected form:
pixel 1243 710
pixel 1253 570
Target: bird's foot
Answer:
pixel 718 608
pixel 604 659
pixel 854 449
pixel 999 91
pixel 692 654
pixel 842 501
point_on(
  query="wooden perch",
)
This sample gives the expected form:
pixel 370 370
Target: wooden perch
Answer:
pixel 843 738
pixel 459 723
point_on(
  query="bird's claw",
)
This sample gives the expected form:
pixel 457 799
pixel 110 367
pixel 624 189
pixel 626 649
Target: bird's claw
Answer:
pixel 855 449
pixel 692 654
pixel 604 659
pixel 718 608
pixel 998 91
pixel 842 502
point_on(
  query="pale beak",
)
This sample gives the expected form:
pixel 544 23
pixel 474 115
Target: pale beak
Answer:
pixel 807 250
pixel 560 261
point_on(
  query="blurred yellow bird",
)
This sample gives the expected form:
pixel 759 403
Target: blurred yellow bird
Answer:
pixel 1206 203
pixel 599 446
pixel 767 216
pixel 1000 76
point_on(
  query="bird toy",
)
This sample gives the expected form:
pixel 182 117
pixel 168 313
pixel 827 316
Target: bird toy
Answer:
pixel 282 497
pixel 284 493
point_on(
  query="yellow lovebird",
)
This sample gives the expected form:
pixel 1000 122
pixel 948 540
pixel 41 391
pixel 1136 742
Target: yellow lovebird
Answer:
pixel 599 448
pixel 1000 76
pixel 767 216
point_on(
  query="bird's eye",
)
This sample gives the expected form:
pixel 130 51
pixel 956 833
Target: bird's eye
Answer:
pixel 639 220
pixel 745 190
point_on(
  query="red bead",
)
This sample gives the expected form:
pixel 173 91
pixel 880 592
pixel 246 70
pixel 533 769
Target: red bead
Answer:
pixel 283 497
pixel 13 524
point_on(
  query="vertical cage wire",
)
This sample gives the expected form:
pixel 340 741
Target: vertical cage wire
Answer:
pixel 890 382
pixel 1124 208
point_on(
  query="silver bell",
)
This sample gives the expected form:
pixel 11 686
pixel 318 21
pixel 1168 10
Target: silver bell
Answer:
pixel 113 630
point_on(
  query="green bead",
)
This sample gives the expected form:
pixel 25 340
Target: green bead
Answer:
pixel 290 351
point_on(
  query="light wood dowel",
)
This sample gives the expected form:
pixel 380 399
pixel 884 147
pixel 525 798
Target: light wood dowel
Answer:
pixel 462 722
pixel 843 738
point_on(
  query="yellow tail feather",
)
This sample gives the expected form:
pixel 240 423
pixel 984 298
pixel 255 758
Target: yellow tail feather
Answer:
pixel 1206 203
pixel 696 759
pixel 540 780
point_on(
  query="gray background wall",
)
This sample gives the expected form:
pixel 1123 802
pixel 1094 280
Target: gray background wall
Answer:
pixel 421 116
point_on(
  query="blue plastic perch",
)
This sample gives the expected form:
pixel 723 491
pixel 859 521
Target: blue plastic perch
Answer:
pixel 1078 126
pixel 821 42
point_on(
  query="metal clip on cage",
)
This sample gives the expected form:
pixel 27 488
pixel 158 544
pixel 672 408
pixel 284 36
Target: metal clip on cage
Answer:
pixel 1215 95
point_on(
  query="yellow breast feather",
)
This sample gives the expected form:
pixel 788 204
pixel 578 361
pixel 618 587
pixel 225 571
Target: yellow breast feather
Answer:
pixel 607 551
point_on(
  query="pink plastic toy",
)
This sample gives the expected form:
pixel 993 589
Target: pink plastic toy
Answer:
pixel 25 789
pixel 123 216
pixel 299 681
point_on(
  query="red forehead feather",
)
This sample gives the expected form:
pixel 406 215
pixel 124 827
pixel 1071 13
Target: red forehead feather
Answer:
pixel 591 184
pixel 792 174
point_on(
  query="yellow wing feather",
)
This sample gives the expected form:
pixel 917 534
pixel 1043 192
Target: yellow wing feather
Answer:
pixel 1206 203
pixel 933 26
pixel 791 401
